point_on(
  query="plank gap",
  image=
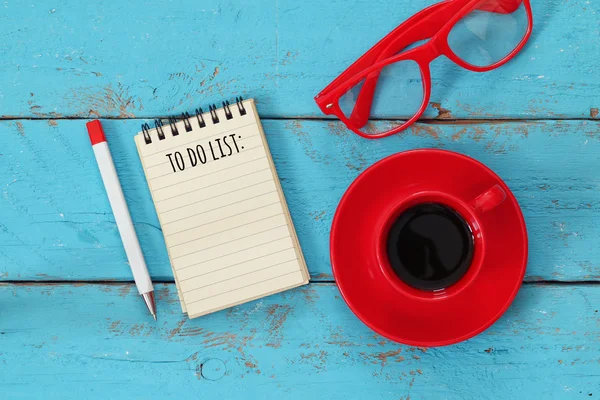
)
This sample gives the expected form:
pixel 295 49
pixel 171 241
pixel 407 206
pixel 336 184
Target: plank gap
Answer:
pixel 430 121
pixel 319 282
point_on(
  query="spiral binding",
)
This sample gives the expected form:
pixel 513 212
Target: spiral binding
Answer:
pixel 186 118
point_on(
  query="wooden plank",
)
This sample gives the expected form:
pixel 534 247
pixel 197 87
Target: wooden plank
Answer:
pixel 96 341
pixel 56 221
pixel 124 59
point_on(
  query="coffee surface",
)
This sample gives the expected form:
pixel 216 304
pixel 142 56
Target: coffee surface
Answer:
pixel 430 246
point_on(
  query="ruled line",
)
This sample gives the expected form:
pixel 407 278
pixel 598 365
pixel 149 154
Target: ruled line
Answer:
pixel 195 139
pixel 215 184
pixel 240 263
pixel 237 276
pixel 208 162
pixel 233 252
pixel 235 227
pixel 219 195
pixel 216 208
pixel 241 287
pixel 224 218
pixel 205 175
pixel 231 241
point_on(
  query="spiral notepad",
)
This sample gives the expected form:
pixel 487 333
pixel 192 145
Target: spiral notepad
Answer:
pixel 227 228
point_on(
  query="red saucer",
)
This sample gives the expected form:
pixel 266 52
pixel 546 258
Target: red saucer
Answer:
pixel 376 298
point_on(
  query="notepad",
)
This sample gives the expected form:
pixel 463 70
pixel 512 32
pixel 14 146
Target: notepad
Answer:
pixel 223 214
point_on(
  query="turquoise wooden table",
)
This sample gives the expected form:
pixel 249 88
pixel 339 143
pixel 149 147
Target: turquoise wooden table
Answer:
pixel 71 322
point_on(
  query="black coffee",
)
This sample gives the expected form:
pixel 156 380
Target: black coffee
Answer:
pixel 430 246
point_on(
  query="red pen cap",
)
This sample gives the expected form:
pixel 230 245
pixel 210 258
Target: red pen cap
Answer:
pixel 96 132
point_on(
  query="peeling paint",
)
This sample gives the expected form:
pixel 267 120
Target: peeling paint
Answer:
pixel 318 360
pixel 20 128
pixel 176 330
pixel 276 317
pixel 318 215
pixel 425 130
pixel 109 100
pixel 338 128
pixel 310 295
pixel 443 113
pixel 125 290
pixel 384 357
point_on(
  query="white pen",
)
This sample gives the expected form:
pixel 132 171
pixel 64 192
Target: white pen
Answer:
pixel 121 213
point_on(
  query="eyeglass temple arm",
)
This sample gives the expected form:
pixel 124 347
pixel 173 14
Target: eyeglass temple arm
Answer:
pixel 499 6
pixel 371 56
pixel 421 26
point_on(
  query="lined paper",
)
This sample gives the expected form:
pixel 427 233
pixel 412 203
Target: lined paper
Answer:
pixel 226 225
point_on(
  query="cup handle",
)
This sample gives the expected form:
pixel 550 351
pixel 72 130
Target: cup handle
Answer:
pixel 488 200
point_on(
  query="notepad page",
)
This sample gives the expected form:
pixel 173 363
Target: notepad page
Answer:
pixel 226 225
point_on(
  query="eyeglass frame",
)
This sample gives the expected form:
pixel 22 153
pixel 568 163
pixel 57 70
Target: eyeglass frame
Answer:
pixel 423 25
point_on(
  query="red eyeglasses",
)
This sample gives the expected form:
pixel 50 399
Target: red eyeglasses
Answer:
pixel 479 35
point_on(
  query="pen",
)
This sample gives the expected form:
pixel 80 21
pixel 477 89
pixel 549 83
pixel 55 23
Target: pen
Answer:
pixel 121 213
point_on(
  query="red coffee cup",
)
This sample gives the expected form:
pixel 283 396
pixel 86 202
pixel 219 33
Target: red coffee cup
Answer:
pixel 389 302
pixel 469 212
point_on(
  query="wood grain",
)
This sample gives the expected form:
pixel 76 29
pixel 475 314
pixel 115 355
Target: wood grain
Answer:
pixel 123 59
pixel 128 60
pixel 57 224
pixel 95 342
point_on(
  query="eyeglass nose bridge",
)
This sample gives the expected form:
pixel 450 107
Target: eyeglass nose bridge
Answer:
pixel 430 51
